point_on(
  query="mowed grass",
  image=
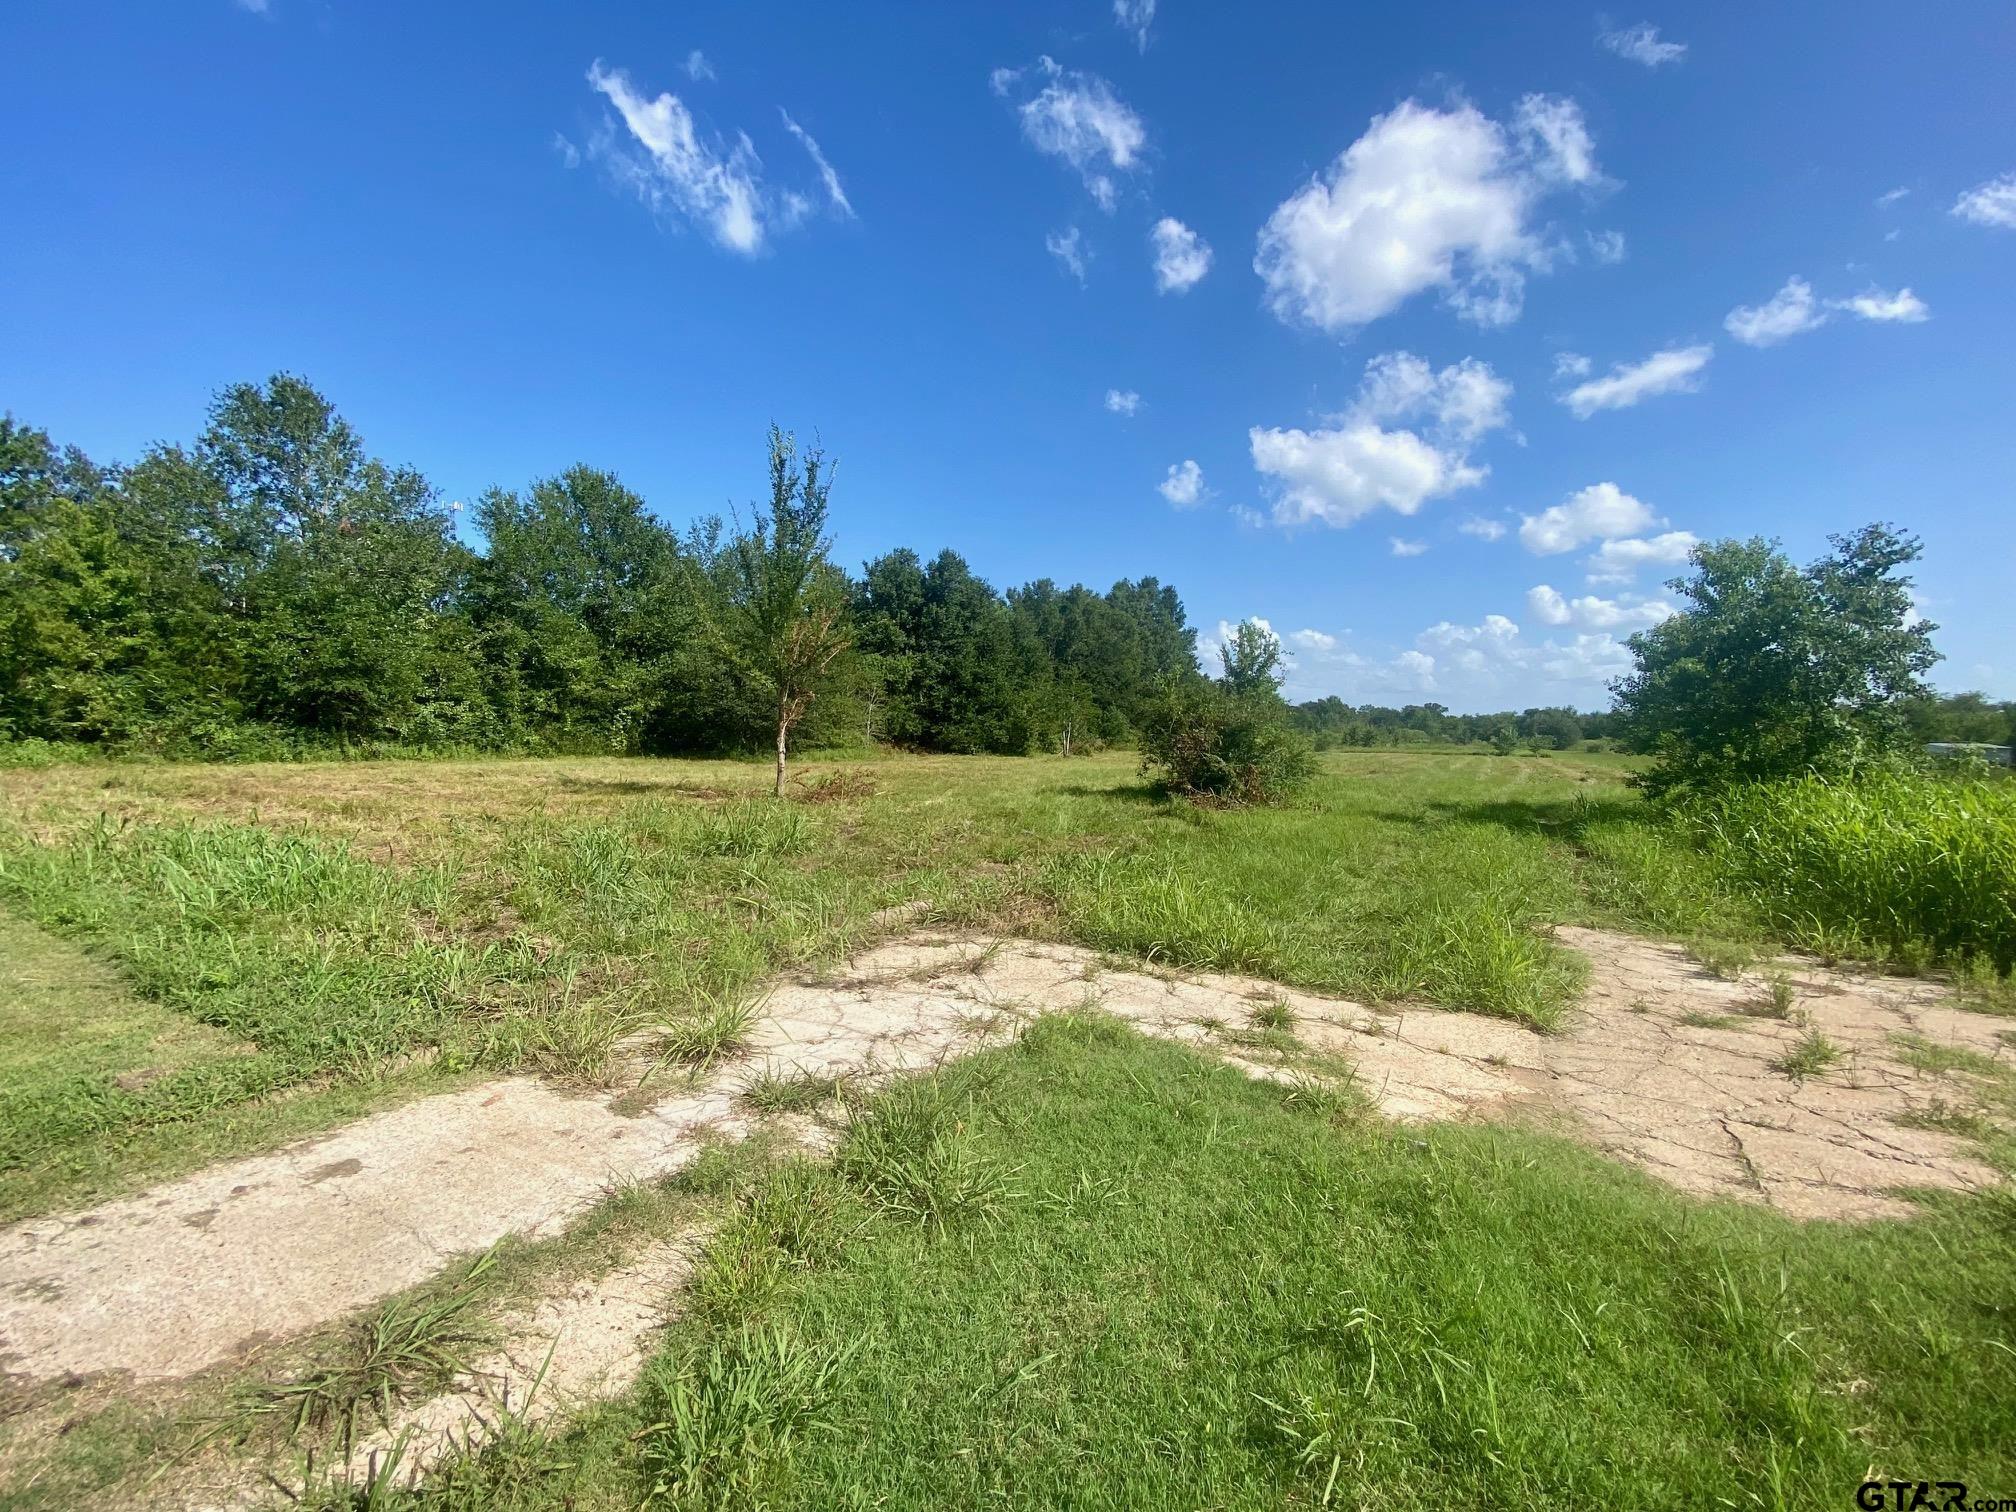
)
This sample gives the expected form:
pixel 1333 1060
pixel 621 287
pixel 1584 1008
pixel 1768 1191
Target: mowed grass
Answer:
pixel 1017 1286
pixel 363 931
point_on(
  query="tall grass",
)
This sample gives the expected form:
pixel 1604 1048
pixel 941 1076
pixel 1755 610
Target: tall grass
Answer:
pixel 1895 865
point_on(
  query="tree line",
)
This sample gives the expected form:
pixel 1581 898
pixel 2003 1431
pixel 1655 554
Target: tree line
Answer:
pixel 1330 723
pixel 272 588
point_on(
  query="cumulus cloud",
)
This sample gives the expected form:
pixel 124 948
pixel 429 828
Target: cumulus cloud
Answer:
pixel 1405 548
pixel 1069 248
pixel 1787 313
pixel 1675 370
pixel 1571 365
pixel 1483 529
pixel 1990 203
pixel 1135 17
pixel 1316 642
pixel 1619 561
pixel 678 173
pixel 1600 512
pixel 1417 670
pixel 1425 199
pixel 1184 487
pixel 1123 401
pixel 1642 44
pixel 1874 304
pixel 1181 256
pixel 1340 472
pixel 1551 607
pixel 1077 117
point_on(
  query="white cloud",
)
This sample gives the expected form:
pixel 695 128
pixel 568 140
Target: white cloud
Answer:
pixel 1571 365
pixel 1077 117
pixel 1463 401
pixel 1316 642
pixel 1404 548
pixel 1123 401
pixel 1341 472
pixel 569 153
pixel 826 174
pixel 256 7
pixel 719 189
pixel 1673 371
pixel 1874 304
pixel 1184 487
pixel 1483 529
pixel 1248 517
pixel 1600 512
pixel 1181 256
pixel 1069 248
pixel 1619 561
pixel 1417 670
pixel 1990 203
pixel 1547 606
pixel 1890 197
pixel 1552 608
pixel 1607 246
pixel 697 66
pixel 1425 199
pixel 1555 138
pixel 1642 44
pixel 1135 17
pixel 1787 313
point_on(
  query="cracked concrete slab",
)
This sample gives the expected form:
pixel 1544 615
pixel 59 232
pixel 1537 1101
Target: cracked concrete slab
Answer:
pixel 205 1269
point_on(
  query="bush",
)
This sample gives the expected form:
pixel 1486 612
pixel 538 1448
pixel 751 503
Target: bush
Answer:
pixel 1211 745
pixel 1891 863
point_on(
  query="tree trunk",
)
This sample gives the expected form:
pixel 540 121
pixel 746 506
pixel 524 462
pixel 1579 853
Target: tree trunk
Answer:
pixel 783 735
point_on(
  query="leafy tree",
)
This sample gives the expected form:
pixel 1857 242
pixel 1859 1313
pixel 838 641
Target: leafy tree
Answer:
pixel 786 609
pixel 1774 670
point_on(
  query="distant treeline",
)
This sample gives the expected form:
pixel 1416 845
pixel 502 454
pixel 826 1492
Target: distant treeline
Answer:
pixel 1331 722
pixel 273 589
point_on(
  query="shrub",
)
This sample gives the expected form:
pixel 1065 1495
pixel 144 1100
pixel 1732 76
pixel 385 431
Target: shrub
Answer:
pixel 1208 745
pixel 1228 741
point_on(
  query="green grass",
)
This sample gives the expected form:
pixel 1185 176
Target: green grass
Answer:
pixel 1895 866
pixel 357 932
pixel 1812 1055
pixel 1201 1293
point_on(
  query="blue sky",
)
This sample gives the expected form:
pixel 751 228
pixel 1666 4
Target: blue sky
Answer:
pixel 1429 336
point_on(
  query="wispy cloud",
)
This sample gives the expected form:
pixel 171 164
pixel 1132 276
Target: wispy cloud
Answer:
pixel 1676 370
pixel 1785 314
pixel 826 174
pixel 697 66
pixel 1641 44
pixel 717 185
pixel 1068 247
pixel 1077 117
pixel 1123 401
pixel 1991 203
pixel 1135 17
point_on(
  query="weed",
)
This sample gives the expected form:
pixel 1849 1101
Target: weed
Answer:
pixel 772 1093
pixel 1274 1014
pixel 1810 1057
pixel 407 1345
pixel 1947 1118
pixel 717 1030
pixel 1939 1059
pixel 911 1151
pixel 1694 1018
pixel 728 1420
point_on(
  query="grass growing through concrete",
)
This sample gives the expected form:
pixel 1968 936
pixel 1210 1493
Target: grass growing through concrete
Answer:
pixel 1199 1292
pixel 354 933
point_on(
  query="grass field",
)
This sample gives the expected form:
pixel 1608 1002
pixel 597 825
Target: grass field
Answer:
pixel 1012 1285
pixel 352 933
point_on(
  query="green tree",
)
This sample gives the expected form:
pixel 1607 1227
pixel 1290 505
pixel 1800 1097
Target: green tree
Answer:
pixel 1773 670
pixel 786 608
pixel 1228 741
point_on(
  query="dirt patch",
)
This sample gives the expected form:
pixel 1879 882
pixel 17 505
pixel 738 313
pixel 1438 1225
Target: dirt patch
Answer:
pixel 202 1270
